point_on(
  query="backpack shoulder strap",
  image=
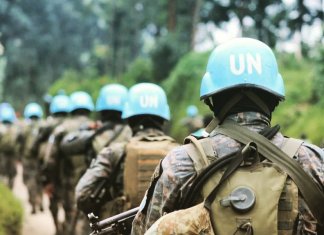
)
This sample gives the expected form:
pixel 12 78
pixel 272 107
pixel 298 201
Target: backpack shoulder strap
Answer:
pixel 200 152
pixel 311 192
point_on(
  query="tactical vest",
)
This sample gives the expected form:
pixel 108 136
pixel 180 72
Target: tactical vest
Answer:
pixel 143 154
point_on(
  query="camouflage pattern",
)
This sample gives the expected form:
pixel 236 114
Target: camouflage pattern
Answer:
pixel 9 151
pixel 46 128
pixel 102 168
pixel 39 148
pixel 62 173
pixel 194 220
pixel 115 133
pixel 31 164
pixel 177 170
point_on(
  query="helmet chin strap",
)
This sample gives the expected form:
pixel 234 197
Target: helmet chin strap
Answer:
pixel 236 98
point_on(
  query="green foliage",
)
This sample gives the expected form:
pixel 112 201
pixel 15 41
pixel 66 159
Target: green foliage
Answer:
pixel 139 71
pixel 183 87
pixel 11 213
pixel 41 39
pixel 318 87
pixel 87 81
pixel 165 55
pixel 311 123
pixel 298 114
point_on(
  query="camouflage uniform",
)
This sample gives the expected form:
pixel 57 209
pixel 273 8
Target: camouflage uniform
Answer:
pixel 64 170
pixel 9 151
pixel 101 169
pixel 177 169
pixel 40 148
pixel 112 133
pixel 109 133
pixel 31 165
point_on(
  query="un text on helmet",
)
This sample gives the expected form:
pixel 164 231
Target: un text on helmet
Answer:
pixel 149 101
pixel 245 62
pixel 114 100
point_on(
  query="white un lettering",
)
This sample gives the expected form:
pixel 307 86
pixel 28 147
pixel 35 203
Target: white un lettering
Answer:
pixel 149 101
pixel 246 61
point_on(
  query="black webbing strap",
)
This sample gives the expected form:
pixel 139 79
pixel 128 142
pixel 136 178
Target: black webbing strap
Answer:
pixel 313 196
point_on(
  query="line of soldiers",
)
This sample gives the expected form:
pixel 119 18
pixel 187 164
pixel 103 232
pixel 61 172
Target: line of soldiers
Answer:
pixel 57 151
pixel 237 176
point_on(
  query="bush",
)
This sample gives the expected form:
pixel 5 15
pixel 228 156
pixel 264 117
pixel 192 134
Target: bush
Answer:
pixel 138 71
pixel 167 52
pixel 11 213
pixel 183 87
pixel 318 87
pixel 87 81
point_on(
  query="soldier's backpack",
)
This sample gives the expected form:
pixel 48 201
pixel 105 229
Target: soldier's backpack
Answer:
pixel 243 193
pixel 76 142
pixel 8 138
pixel 143 154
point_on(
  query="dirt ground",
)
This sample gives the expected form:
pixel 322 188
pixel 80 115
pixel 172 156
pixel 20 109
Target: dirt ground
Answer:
pixel 37 224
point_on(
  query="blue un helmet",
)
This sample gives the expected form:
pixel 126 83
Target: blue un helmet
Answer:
pixel 146 98
pixel 192 111
pixel 242 62
pixel 60 104
pixel 33 110
pixel 111 97
pixel 7 113
pixel 81 100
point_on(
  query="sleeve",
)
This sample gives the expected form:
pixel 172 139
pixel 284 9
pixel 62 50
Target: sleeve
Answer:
pixel 176 169
pixel 101 169
pixel 312 163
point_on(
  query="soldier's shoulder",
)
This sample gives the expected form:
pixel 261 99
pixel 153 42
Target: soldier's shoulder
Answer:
pixel 115 149
pixel 311 151
pixel 178 156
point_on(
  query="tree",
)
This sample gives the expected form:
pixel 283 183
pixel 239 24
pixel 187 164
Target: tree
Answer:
pixel 41 39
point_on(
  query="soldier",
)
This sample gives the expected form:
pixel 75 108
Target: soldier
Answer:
pixel 9 134
pixel 242 87
pixel 116 169
pixel 59 109
pixel 31 164
pixel 66 161
pixel 193 121
pixel 112 127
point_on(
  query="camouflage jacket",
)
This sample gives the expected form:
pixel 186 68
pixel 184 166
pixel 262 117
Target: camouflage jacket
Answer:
pixel 102 168
pixel 177 169
pixel 9 140
pixel 30 135
pixel 110 133
pixel 57 166
pixel 45 130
